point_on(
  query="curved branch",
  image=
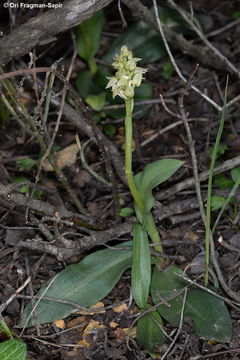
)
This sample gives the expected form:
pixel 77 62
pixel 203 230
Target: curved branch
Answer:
pixel 201 54
pixel 40 29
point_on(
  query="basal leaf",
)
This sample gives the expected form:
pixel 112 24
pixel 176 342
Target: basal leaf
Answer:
pixel 167 70
pixel 109 129
pixel 146 42
pixel 235 173
pixel 86 84
pixel 217 202
pixel 142 40
pixel 26 163
pixel 25 188
pixel 12 350
pixel 126 211
pixel 153 49
pixel 149 333
pixel 236 14
pixel 141 266
pixel 96 101
pixel 84 283
pixel 209 314
pixel 88 38
pixel 222 182
pixel 153 175
pixel 220 150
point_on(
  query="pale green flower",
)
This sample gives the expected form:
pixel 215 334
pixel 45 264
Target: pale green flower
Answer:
pixel 128 74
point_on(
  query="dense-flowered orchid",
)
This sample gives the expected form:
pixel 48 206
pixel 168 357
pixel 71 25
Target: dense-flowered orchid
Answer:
pixel 128 75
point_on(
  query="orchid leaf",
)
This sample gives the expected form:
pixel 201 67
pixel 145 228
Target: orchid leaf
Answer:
pixel 149 333
pixel 141 266
pixel 84 283
pixel 153 175
pixel 209 314
pixel 88 35
pixel 12 349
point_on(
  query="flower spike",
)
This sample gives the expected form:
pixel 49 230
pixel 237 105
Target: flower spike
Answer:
pixel 128 74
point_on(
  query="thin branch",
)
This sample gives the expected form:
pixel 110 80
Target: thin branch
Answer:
pixel 42 29
pixel 57 124
pixel 169 127
pixel 13 296
pixel 86 166
pixel 179 327
pixel 35 306
pixel 191 146
pixel 223 29
pixel 234 305
pixel 76 306
pixel 124 23
pixel 206 58
pixel 203 38
pixel 227 165
pixel 78 119
pixel 59 213
pixel 178 71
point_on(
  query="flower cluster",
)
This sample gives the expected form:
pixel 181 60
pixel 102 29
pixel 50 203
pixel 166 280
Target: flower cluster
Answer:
pixel 128 74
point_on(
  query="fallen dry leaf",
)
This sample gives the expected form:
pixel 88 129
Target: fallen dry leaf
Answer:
pixel 82 178
pixel 84 343
pixel 64 157
pixel 88 333
pixel 178 233
pixel 99 304
pixel 120 308
pixel 191 236
pixel 60 324
pixel 122 333
pixel 113 324
pixel 80 320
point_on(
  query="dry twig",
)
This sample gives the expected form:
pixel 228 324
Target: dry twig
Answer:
pixel 206 58
pixel 225 166
pixel 42 29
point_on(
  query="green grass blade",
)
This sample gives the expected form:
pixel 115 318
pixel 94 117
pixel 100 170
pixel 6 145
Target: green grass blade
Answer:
pixel 210 179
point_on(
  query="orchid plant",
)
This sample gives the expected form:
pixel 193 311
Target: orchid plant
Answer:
pixel 166 282
pixel 127 77
pixel 173 294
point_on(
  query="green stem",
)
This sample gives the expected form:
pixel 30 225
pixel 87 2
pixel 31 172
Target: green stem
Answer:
pixel 128 155
pixel 153 232
pixel 150 224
